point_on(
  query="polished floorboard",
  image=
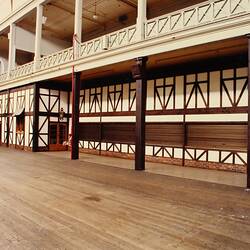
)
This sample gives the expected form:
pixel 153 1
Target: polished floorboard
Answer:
pixel 50 202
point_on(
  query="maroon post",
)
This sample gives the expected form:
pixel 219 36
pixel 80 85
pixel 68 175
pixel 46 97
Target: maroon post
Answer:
pixel 139 74
pixel 76 82
pixel 248 146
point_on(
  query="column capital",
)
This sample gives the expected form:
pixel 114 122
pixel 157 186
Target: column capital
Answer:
pixel 139 68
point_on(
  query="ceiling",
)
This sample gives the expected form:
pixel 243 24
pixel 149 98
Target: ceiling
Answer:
pixel 4 46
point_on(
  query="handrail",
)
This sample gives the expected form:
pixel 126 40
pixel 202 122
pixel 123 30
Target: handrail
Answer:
pixel 56 58
pixel 194 16
pixel 22 70
pixel 3 77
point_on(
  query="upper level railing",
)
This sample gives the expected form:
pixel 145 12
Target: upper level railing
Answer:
pixel 3 77
pixel 192 17
pixel 22 70
pixel 122 37
pixel 98 45
pixel 55 59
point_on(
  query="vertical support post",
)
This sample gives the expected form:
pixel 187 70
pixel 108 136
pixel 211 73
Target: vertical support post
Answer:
pixel 12 48
pixel 248 146
pixel 76 82
pixel 184 123
pixel 139 74
pixel 141 19
pixel 8 121
pixel 78 20
pixel 38 38
pixel 184 141
pixel 35 117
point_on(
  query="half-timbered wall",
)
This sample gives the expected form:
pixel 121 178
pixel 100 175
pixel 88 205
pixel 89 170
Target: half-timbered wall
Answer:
pixel 10 103
pixel 196 119
pixel 3 117
pixel 50 103
pixel 191 109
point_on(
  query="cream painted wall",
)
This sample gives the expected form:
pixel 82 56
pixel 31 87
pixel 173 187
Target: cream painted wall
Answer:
pixel 3 64
pixel 19 3
pixel 6 7
pixel 25 40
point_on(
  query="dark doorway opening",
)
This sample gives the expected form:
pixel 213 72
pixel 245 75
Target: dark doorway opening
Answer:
pixel 58 137
pixel 20 130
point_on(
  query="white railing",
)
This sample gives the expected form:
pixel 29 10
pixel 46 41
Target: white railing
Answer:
pixel 91 47
pixel 194 16
pixel 55 59
pixel 22 70
pixel 113 40
pixel 122 37
pixel 3 77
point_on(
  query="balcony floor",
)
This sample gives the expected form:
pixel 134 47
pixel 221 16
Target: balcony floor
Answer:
pixel 50 202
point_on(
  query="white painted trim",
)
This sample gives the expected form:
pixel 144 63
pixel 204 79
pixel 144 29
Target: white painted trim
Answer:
pixel 19 13
pixel 78 20
pixel 12 48
pixel 141 19
pixel 38 36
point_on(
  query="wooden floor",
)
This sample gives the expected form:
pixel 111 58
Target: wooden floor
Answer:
pixel 49 202
pixel 213 176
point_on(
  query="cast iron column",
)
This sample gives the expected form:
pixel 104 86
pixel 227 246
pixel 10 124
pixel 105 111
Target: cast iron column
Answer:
pixel 76 82
pixel 139 74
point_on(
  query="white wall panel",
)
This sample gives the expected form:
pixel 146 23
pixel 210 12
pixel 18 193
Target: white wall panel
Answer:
pixel 217 117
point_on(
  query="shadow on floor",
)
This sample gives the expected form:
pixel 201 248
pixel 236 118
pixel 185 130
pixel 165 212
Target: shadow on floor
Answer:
pixel 212 176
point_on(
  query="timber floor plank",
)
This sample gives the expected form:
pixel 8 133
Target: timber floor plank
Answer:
pixel 49 202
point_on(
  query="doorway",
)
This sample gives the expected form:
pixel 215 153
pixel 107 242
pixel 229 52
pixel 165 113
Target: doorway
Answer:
pixel 20 130
pixel 58 137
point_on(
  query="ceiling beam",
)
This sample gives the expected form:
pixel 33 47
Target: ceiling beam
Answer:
pixel 73 13
pixel 129 3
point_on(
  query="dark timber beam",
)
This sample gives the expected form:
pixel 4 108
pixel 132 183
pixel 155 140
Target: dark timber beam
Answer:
pixel 139 74
pixel 248 147
pixel 76 82
pixel 73 13
pixel 129 3
pixel 35 118
pixel 8 121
